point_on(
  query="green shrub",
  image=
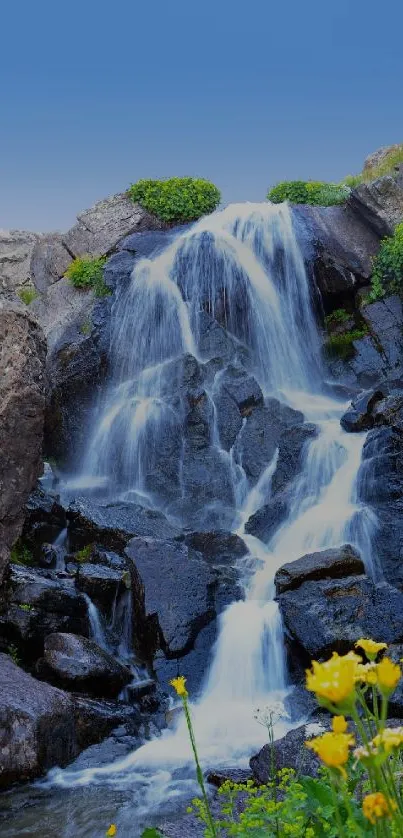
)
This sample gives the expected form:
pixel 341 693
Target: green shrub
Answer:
pixel 352 180
pixel 337 317
pixel 176 199
pixel 342 345
pixel 387 274
pixel 27 294
pixel 14 654
pixel 385 167
pixel 309 192
pixel 84 555
pixel 88 272
pixel 25 607
pixel 21 554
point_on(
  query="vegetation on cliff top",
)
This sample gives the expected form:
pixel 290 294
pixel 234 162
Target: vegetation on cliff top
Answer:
pixel 309 192
pixel 87 273
pixel 177 199
pixel 386 166
pixel 387 274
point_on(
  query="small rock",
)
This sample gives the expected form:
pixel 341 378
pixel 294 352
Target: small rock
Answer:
pixel 327 564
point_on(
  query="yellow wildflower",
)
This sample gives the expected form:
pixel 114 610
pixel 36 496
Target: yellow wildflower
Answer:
pixel 111 831
pixel 370 647
pixel 332 748
pixel 376 806
pixel 388 675
pixel 366 673
pixel 334 680
pixel 339 724
pixel 179 685
pixel 389 739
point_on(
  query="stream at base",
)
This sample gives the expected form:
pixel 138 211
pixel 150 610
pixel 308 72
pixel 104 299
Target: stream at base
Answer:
pixel 252 252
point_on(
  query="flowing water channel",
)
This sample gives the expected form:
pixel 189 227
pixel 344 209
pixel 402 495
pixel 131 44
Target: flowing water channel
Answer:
pixel 245 267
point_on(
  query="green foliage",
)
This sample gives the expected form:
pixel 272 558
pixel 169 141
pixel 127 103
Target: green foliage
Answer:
pixel 337 317
pixel 27 294
pixel 387 274
pixel 309 192
pixel 176 199
pixel 342 345
pixel 352 180
pixel 151 833
pixel 385 167
pixel 88 272
pixel 84 555
pixel 21 554
pixel 86 327
pixel 14 654
pixel 25 607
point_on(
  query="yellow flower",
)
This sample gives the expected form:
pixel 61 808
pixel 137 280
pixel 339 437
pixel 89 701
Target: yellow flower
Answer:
pixel 339 724
pixel 332 748
pixel 388 739
pixel 376 806
pixel 179 685
pixel 370 647
pixel 366 673
pixel 111 831
pixel 334 680
pixel 388 675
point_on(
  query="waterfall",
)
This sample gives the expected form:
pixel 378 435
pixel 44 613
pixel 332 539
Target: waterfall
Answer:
pixel 243 269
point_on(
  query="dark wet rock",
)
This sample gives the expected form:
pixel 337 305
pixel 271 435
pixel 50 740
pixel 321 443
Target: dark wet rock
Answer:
pixel 219 548
pixel 335 563
pixel 113 525
pixel 22 409
pixel 264 523
pixel 37 728
pixel 292 446
pixel 107 558
pixel 214 341
pixel 389 411
pixel 194 665
pixel 78 664
pixel 228 419
pixel 38 604
pixel 395 705
pixel 44 519
pixel 198 421
pixel 260 436
pixel 379 203
pixel 173 592
pixel 290 752
pixel 327 615
pixel 50 556
pixel 101 583
pixel 206 478
pixel 148 243
pixel 242 388
pixel 218 777
pixel 359 416
pixel 118 268
pixel 385 322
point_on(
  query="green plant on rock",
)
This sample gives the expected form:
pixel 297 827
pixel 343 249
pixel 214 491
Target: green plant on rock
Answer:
pixel 14 654
pixel 387 273
pixel 342 345
pixel 387 166
pixel 87 273
pixel 27 294
pixel 337 317
pixel 25 607
pixel 176 199
pixel 21 554
pixel 309 192
pixel 84 554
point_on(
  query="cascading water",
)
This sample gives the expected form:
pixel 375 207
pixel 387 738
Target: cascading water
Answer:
pixel 241 268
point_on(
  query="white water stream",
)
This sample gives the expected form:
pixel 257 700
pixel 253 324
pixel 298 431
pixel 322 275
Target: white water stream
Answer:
pixel 246 263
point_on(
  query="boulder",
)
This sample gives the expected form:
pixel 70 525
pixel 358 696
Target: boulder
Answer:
pixel 385 323
pixel 40 603
pixel 173 591
pixel 264 523
pixel 292 447
pixel 101 583
pixel 328 614
pixel 389 411
pixel 37 726
pixel 96 718
pixel 379 203
pixel 359 416
pixel 259 438
pixel 219 547
pixel 114 524
pixel 379 156
pixel 49 261
pixel 16 249
pixel 290 752
pixel 78 664
pixel 22 408
pixel 334 563
pixel 99 229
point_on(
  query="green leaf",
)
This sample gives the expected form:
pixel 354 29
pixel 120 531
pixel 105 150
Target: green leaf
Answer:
pixel 150 832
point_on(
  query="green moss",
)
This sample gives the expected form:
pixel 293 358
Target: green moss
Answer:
pixel 309 192
pixel 386 167
pixel 337 317
pixel 342 345
pixel 176 199
pixel 27 294
pixel 387 274
pixel 86 327
pixel 21 554
pixel 87 273
pixel 84 555
pixel 14 654
pixel 25 607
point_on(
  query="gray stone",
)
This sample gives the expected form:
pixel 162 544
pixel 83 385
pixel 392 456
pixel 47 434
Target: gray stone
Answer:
pixel 379 156
pixel 268 518
pixel 49 261
pixel 22 410
pixel 78 664
pixel 292 446
pixel 37 727
pixel 114 524
pixel 16 248
pixel 385 322
pixel 379 203
pixel 102 584
pixel 359 416
pixel 330 615
pixel 100 229
pixel 290 752
pixel 334 563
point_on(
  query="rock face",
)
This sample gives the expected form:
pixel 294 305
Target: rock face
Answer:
pixel 22 408
pixel 327 615
pixel 379 203
pixel 290 752
pixel 327 564
pixel 78 664
pixel 16 249
pixel 115 524
pixel 37 727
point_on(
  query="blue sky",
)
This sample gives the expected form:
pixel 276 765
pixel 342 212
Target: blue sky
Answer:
pixel 95 96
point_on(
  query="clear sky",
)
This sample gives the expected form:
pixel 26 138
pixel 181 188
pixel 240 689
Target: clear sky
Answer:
pixel 95 96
